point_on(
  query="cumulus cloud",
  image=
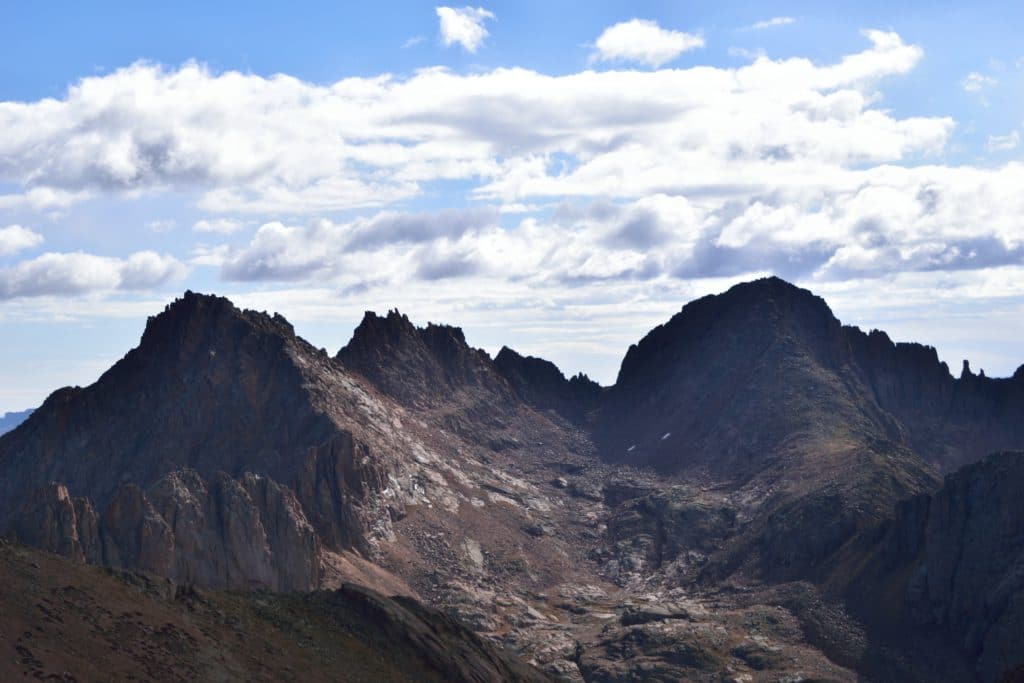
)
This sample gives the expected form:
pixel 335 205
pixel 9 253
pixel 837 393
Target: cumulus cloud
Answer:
pixel 224 226
pixel 463 26
pixel 643 41
pixel 977 81
pixel 15 238
pixel 68 274
pixel 771 23
pixel 388 242
pixel 41 198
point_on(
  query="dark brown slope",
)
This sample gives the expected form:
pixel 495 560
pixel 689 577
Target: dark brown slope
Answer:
pixel 69 622
pixel 224 451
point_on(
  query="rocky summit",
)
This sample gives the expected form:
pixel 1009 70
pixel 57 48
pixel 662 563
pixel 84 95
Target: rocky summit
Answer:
pixel 764 494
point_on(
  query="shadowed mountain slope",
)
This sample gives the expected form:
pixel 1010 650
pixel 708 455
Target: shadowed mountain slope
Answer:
pixel 72 622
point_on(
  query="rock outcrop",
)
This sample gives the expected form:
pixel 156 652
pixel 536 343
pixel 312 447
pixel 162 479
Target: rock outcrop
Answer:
pixel 673 530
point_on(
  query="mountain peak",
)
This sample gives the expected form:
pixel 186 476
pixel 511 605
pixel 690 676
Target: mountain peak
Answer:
pixel 412 363
pixel 199 317
pixel 747 316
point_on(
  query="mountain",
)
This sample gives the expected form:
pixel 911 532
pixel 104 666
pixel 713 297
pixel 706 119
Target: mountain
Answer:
pixel 222 451
pixel 723 509
pixel 9 421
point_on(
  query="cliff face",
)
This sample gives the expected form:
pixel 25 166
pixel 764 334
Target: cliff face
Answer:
pixel 971 575
pixel 223 451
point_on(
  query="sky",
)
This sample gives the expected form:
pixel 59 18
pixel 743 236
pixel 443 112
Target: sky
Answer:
pixel 557 177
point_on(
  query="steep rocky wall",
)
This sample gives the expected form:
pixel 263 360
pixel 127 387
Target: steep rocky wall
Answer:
pixel 950 421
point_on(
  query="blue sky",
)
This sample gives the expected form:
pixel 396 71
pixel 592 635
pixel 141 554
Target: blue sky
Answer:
pixel 554 176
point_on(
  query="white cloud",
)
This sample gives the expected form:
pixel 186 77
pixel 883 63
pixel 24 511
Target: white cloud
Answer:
pixel 412 42
pixel 976 82
pixel 282 146
pixel 771 23
pixel 1003 143
pixel 643 41
pixel 70 274
pixel 464 26
pixel 224 226
pixel 15 238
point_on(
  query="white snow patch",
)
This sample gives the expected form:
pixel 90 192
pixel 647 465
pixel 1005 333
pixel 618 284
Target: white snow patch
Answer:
pixel 667 434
